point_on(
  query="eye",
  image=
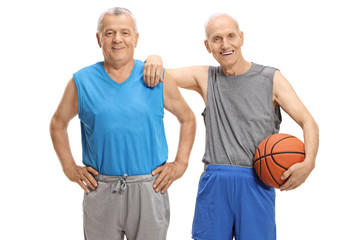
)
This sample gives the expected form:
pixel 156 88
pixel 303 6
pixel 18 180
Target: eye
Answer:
pixel 216 39
pixel 109 34
pixel 231 36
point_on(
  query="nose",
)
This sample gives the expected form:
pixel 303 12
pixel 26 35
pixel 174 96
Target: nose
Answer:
pixel 224 44
pixel 117 38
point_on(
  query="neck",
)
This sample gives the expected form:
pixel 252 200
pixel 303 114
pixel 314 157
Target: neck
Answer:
pixel 119 71
pixel 240 67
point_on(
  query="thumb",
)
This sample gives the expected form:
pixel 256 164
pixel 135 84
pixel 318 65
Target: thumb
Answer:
pixel 287 174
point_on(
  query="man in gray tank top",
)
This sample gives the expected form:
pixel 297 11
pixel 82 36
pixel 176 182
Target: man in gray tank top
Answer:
pixel 243 101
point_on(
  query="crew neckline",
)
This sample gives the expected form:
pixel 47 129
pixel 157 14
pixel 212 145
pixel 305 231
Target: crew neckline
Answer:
pixel 239 75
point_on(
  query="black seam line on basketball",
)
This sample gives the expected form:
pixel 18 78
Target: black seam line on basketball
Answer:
pixel 260 165
pixel 277 154
pixel 274 145
pixel 271 152
pixel 270 173
pixel 280 141
pixel 267 166
pixel 265 147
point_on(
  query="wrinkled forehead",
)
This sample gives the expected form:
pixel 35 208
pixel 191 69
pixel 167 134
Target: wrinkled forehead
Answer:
pixel 222 25
pixel 123 21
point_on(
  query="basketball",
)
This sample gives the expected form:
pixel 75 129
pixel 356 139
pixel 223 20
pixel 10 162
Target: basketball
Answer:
pixel 275 155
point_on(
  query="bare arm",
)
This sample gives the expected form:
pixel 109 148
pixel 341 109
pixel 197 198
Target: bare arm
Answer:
pixel 285 96
pixel 66 111
pixel 192 78
pixel 175 103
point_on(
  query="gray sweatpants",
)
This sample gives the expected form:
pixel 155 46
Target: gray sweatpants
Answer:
pixel 126 206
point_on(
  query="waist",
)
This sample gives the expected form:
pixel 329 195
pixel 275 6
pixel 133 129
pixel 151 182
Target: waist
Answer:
pixel 230 169
pixel 129 179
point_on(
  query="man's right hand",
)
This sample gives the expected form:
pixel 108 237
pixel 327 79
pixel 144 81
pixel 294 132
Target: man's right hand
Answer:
pixel 153 70
pixel 82 176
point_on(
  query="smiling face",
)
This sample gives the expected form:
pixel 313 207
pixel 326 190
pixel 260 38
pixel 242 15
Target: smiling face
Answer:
pixel 117 38
pixel 224 41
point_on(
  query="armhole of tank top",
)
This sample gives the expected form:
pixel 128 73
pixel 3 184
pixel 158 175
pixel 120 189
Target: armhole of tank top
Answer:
pixel 162 86
pixel 207 90
pixel 276 111
pixel 77 84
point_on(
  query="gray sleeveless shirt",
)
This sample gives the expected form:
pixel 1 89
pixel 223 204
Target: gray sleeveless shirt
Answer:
pixel 239 114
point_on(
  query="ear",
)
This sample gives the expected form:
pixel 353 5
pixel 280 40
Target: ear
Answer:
pixel 242 38
pixel 136 39
pixel 98 39
pixel 206 42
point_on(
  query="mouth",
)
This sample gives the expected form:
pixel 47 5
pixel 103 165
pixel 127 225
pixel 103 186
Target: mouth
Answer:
pixel 116 48
pixel 228 53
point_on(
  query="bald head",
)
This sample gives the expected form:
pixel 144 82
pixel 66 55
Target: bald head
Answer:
pixel 220 20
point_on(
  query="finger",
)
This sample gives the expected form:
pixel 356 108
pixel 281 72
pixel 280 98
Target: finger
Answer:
pixel 158 180
pixel 286 174
pixel 162 184
pixel 161 74
pixel 88 183
pixel 92 170
pixel 286 185
pixel 146 75
pixel 157 170
pixel 167 186
pixel 288 188
pixel 295 185
pixel 144 71
pixel 152 76
pixel 161 80
pixel 92 180
pixel 157 77
pixel 83 186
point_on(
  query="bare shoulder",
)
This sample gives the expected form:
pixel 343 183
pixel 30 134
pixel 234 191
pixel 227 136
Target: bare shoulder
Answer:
pixel 68 106
pixel 281 85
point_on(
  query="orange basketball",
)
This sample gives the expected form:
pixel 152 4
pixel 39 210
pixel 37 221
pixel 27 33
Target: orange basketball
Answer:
pixel 275 155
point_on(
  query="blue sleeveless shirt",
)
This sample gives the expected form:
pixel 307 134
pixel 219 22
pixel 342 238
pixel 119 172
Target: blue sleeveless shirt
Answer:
pixel 122 126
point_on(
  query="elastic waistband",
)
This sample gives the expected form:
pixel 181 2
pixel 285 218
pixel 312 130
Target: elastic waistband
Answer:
pixel 129 179
pixel 230 169
pixel 122 182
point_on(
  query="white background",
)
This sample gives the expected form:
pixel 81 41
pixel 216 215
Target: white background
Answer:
pixel 314 43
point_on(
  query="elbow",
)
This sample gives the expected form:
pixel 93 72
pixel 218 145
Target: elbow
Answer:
pixel 52 124
pixel 56 124
pixel 189 119
pixel 315 127
pixel 310 124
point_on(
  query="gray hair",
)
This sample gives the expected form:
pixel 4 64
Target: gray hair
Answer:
pixel 212 17
pixel 116 11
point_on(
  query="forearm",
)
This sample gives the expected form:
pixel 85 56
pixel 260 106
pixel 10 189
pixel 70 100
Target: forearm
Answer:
pixel 186 139
pixel 60 140
pixel 311 141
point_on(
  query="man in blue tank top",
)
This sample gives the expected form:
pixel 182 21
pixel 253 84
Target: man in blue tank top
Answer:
pixel 123 139
pixel 243 101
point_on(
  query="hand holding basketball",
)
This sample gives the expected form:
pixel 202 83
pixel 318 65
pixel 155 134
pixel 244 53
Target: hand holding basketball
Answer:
pixel 296 175
pixel 278 154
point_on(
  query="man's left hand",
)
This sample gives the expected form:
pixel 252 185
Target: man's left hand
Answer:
pixel 296 175
pixel 168 173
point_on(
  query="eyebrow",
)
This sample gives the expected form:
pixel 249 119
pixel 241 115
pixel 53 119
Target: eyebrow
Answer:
pixel 111 29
